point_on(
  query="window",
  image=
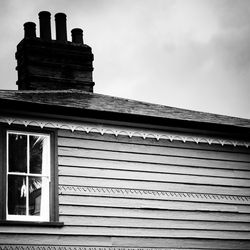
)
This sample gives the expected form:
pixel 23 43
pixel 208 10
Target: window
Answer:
pixel 28 177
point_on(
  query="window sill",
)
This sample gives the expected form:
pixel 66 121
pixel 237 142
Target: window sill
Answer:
pixel 32 223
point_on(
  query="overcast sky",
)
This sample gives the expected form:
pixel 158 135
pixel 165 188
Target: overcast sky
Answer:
pixel 192 54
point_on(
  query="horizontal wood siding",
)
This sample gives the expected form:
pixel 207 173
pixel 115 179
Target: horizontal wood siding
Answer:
pixel 135 189
pixel 131 193
pixel 81 242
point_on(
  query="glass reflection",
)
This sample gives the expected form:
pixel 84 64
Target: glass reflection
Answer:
pixel 36 154
pixel 35 185
pixel 17 194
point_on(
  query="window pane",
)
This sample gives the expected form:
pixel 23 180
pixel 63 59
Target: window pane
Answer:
pixel 17 194
pixel 36 154
pixel 17 153
pixel 35 188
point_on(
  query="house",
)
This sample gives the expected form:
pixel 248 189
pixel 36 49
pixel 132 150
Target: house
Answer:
pixel 81 170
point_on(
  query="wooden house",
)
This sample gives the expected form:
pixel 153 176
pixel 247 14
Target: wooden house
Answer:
pixel 81 170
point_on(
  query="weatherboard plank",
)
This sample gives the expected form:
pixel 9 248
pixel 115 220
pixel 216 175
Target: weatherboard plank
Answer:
pixel 131 232
pixel 106 243
pixel 152 167
pixel 131 157
pixel 158 143
pixel 152 150
pixel 152 223
pixel 160 177
pixel 152 204
pixel 152 214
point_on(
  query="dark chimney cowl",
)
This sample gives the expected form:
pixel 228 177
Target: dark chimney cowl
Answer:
pixel 45 26
pixel 47 64
pixel 29 30
pixel 61 27
pixel 77 36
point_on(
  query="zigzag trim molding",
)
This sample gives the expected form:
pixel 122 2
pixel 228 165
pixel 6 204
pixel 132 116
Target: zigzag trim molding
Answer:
pixel 51 247
pixel 151 194
pixel 118 130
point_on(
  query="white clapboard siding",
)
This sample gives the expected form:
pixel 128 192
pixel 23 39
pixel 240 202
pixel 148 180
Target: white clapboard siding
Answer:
pixel 152 204
pixel 152 142
pixel 81 210
pixel 152 150
pixel 39 241
pixel 152 223
pixel 136 157
pixel 131 189
pixel 33 240
pixel 158 177
pixel 152 167
pixel 131 232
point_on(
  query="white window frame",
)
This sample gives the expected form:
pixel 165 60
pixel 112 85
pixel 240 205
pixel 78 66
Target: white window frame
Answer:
pixel 45 175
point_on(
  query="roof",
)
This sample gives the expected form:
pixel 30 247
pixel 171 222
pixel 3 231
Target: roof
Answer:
pixel 78 99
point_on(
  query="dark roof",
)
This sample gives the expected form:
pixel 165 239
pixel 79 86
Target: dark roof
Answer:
pixel 82 100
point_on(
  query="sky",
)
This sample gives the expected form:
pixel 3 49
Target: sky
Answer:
pixel 192 54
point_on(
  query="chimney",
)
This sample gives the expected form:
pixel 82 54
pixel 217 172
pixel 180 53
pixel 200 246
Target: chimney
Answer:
pixel 45 28
pixel 61 27
pixel 47 64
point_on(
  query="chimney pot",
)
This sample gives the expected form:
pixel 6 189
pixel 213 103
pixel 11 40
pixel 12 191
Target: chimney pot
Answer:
pixel 29 30
pixel 61 27
pixel 45 27
pixel 77 36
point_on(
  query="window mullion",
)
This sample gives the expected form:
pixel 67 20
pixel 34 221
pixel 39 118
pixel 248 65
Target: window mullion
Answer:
pixel 27 195
pixel 7 175
pixel 27 178
pixel 28 154
pixel 25 174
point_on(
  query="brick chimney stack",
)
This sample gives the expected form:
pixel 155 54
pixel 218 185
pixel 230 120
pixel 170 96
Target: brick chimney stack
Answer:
pixel 47 64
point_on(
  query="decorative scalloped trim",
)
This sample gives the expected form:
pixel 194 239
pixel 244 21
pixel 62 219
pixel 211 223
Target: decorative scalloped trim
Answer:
pixel 150 194
pixel 118 130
